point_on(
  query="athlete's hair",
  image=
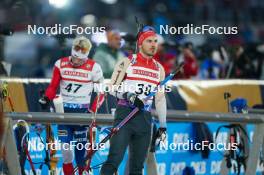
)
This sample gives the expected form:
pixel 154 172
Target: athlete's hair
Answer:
pixel 81 47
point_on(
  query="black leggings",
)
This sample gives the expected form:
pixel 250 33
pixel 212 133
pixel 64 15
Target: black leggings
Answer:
pixel 136 133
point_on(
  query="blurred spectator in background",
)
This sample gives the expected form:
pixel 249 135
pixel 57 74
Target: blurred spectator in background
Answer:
pixel 191 67
pixel 165 57
pixel 215 64
pixel 108 54
pixel 241 66
pixel 170 63
pixel 129 44
pixel 159 56
pixel 209 69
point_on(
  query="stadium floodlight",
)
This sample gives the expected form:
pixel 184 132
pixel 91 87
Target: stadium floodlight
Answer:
pixel 59 3
pixel 109 1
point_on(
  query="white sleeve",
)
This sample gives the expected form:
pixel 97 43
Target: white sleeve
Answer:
pixel 160 101
pixel 97 78
pixel 97 73
pixel 58 63
pixel 161 108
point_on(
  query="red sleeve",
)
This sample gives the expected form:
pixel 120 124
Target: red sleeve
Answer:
pixel 54 84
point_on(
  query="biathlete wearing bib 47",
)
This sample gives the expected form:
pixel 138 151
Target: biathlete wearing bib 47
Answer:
pixel 75 76
pixel 76 83
pixel 76 86
pixel 143 75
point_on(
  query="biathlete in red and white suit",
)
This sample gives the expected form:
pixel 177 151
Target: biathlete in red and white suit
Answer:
pixel 75 77
pixel 137 77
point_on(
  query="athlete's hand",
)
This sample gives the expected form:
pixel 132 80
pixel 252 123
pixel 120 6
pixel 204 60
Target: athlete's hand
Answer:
pixel 134 100
pixel 44 102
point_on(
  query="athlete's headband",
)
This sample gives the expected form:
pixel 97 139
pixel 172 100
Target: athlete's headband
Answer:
pixel 144 33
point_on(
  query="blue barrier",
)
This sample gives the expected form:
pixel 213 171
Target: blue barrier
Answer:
pixel 170 162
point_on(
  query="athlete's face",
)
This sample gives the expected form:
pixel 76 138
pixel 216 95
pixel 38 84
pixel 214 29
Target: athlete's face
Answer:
pixel 149 46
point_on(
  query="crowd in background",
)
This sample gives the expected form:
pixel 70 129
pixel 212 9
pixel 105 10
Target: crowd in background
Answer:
pixel 205 56
pixel 200 62
pixel 207 61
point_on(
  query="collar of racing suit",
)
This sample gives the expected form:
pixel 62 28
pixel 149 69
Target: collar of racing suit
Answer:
pixel 143 59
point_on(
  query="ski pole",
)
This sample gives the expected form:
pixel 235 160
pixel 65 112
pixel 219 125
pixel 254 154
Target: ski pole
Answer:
pixel 92 135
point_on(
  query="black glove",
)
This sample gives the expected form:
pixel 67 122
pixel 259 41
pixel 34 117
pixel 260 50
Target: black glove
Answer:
pixel 44 102
pixel 161 134
pixel 134 100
